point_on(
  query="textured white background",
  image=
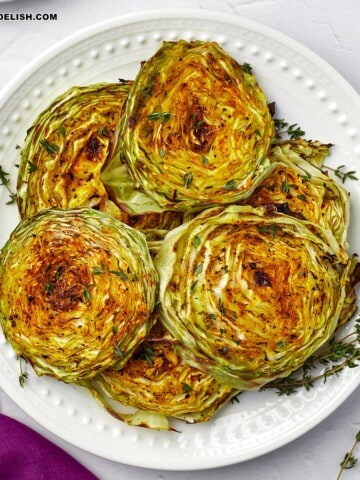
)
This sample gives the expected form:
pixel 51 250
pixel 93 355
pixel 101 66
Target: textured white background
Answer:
pixel 328 27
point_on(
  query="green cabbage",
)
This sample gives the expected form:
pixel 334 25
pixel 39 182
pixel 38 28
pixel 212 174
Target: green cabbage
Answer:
pixel 66 147
pixel 298 187
pixel 196 128
pixel 77 290
pixel 155 380
pixel 251 295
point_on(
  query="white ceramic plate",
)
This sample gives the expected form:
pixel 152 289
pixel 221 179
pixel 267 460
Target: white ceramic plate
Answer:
pixel 307 91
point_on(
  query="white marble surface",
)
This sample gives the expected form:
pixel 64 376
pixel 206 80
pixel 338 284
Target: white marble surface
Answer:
pixel 331 29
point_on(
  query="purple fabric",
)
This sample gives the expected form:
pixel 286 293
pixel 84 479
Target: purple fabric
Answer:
pixel 26 455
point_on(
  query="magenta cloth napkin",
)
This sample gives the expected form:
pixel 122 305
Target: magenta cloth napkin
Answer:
pixel 26 455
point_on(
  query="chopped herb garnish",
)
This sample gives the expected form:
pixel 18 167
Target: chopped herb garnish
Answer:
pixel 162 153
pixel 196 241
pixel 120 274
pixel 115 329
pixel 58 273
pixel 205 160
pixel 87 295
pixel 104 132
pixel 186 388
pixel 118 351
pixel 199 268
pixel 221 307
pixel 285 187
pixel 49 147
pixel 306 177
pixel 49 288
pixel 31 167
pixel 187 179
pixel 230 185
pixel 163 116
pixel 198 125
pixel 265 230
pixel 247 68
pixel 147 354
pixel 98 270
pixel 62 130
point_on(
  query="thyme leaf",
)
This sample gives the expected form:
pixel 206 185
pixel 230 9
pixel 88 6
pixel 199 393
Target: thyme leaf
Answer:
pixel 118 352
pixel 342 175
pixel 283 128
pixel 205 160
pixel 62 130
pixel 5 181
pixel 199 268
pixel 98 270
pixel 196 241
pixel 120 273
pixel 87 294
pixel 294 131
pixel 104 131
pixel 23 375
pixel 163 116
pixel 187 179
pixel 49 147
pixel 338 354
pixel 4 177
pixel 147 355
pixel 265 230
pixel 230 185
pixel 49 288
pixel 186 388
pixel 349 460
pixel 247 68
pixel 31 167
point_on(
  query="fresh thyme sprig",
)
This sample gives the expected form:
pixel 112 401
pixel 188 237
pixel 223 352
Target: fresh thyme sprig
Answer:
pixel 338 354
pixel 283 128
pixel 343 176
pixel 349 460
pixel 23 375
pixel 5 181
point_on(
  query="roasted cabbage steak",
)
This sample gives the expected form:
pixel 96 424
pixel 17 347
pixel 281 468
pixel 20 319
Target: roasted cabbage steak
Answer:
pixel 196 128
pixel 66 147
pixel 251 295
pixel 77 292
pixel 159 384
